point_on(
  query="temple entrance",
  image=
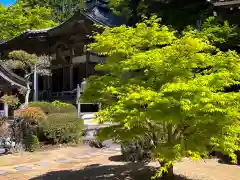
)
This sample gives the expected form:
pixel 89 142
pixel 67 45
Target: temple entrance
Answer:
pixel 57 80
pixel 79 72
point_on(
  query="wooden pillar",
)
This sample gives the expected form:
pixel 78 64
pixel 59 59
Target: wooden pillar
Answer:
pixel 6 110
pixel 87 63
pixel 71 67
pixel 49 88
pixel 48 82
pixel 63 79
pixel 35 95
pixel 71 76
pixel 77 101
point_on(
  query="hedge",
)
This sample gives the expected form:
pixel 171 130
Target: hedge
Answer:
pixel 62 128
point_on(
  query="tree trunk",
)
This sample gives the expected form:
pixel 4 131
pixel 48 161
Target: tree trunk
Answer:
pixel 169 175
pixel 27 95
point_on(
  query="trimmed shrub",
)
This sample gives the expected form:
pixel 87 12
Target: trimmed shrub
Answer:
pixel 64 107
pixel 62 128
pixel 32 115
pixel 31 143
pixel 54 107
pixel 46 107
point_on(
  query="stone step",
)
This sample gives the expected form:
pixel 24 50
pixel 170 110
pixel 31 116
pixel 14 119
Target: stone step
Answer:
pixel 91 128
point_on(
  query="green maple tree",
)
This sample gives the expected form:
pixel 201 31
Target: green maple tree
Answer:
pixel 168 87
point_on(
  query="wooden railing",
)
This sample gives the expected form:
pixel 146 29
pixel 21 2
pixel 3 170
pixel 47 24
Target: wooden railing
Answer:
pixel 63 95
pixel 67 96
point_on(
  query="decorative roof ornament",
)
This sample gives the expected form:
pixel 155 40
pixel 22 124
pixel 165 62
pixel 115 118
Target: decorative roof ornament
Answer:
pixel 83 85
pixel 214 13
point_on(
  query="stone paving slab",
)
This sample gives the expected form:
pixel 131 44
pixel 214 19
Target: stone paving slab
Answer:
pixel 23 168
pixel 44 164
pixel 80 156
pixel 2 172
pixel 63 160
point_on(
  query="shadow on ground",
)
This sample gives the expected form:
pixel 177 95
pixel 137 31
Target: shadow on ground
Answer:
pixel 109 172
pixel 117 158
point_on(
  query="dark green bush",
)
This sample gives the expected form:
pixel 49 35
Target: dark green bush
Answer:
pixel 31 143
pixel 62 128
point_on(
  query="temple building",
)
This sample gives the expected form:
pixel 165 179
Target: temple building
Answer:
pixel 227 10
pixel 66 45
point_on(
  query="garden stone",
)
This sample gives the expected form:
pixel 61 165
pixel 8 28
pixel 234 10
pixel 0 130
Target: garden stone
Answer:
pixel 43 164
pixel 82 157
pixel 63 160
pixel 23 168
pixel 2 172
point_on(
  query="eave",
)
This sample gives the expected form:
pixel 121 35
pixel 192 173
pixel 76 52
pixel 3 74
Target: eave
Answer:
pixel 226 3
pixel 12 78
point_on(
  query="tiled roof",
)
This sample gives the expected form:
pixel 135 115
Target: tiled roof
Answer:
pixel 96 11
pixel 25 34
pixel 99 10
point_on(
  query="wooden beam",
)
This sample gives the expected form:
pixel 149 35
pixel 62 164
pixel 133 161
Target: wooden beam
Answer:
pixel 226 3
pixel 87 63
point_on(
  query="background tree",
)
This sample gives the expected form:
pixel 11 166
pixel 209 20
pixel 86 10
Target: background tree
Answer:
pixel 177 13
pixel 169 88
pixel 17 18
pixel 22 60
pixel 62 9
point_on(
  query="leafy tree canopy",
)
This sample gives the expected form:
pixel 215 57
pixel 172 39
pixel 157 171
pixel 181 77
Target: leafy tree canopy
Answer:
pixel 169 87
pixel 16 18
pixel 20 59
pixel 62 9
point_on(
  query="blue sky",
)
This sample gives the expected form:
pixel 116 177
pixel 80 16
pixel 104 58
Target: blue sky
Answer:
pixel 7 2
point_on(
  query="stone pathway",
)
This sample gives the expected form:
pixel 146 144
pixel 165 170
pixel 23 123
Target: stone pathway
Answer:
pixel 81 154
